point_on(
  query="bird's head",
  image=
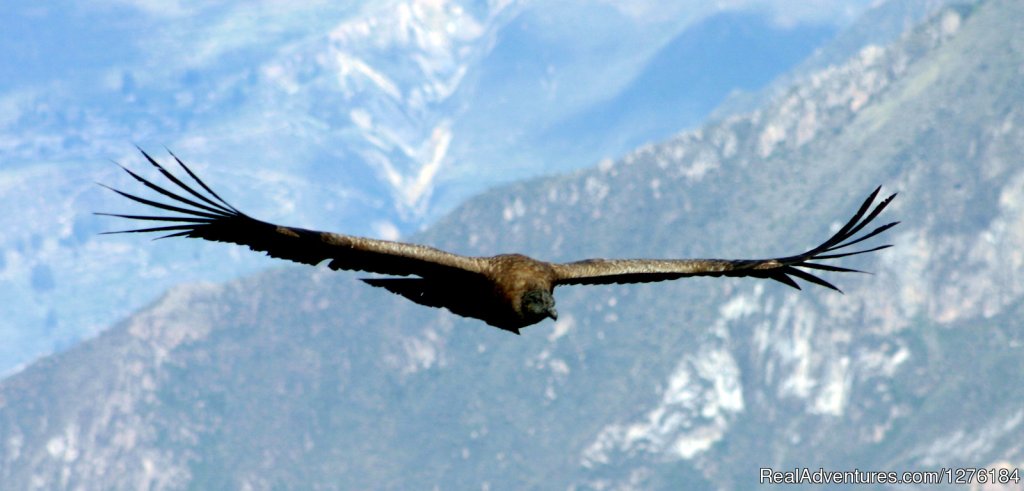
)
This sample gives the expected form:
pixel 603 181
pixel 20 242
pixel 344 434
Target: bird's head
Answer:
pixel 538 304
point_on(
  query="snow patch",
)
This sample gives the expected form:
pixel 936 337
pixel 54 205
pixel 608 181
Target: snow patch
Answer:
pixel 14 446
pixel 349 67
pixel 514 210
pixel 741 305
pixel 880 362
pixel 64 447
pixel 970 444
pixel 834 390
pixel 702 396
pixel 559 367
pixel 562 326
pixel 422 353
pixel 596 188
pixel 169 323
pixel 361 118
pixel 386 230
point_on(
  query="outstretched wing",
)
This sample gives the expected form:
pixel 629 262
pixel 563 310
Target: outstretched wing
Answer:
pixel 783 269
pixel 202 214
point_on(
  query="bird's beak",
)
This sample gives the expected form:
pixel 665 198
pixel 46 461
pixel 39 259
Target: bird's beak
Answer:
pixel 553 314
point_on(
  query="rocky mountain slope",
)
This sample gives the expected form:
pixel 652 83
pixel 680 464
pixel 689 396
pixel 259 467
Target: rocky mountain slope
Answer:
pixel 374 117
pixel 305 378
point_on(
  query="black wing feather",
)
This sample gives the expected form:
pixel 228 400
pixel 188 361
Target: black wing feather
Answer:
pixel 198 181
pixel 842 239
pixel 163 206
pixel 784 270
pixel 210 217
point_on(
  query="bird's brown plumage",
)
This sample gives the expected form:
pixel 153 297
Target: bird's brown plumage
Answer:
pixel 509 291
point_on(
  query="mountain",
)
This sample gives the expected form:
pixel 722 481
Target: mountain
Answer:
pixel 880 24
pixel 300 378
pixel 684 81
pixel 370 117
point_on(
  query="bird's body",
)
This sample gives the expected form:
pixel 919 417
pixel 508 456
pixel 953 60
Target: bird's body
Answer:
pixel 495 295
pixel 508 291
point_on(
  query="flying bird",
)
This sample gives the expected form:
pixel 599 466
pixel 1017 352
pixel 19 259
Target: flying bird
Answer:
pixel 508 291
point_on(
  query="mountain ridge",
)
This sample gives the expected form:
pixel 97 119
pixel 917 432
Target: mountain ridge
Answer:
pixel 306 379
pixel 372 118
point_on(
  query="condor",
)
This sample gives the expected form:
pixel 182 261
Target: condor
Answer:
pixel 508 291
